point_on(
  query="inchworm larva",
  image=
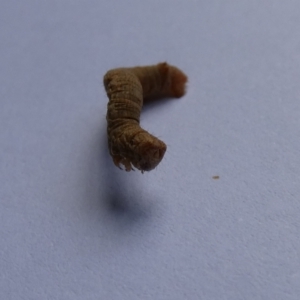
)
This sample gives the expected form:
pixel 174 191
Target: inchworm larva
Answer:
pixel 126 88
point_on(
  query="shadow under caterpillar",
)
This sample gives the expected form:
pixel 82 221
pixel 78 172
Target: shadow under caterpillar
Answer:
pixel 126 88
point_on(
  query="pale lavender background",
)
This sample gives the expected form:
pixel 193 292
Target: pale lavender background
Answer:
pixel 72 226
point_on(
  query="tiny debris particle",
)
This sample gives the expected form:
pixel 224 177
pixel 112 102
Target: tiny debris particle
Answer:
pixel 216 177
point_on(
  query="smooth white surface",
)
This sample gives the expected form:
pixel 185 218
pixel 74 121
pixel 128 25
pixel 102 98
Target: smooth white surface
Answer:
pixel 72 226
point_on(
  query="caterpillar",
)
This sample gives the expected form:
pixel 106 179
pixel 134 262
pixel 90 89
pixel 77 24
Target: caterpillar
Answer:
pixel 126 88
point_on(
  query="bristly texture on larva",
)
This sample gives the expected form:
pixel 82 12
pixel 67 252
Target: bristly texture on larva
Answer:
pixel 126 88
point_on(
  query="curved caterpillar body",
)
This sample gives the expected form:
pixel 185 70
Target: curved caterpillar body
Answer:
pixel 126 88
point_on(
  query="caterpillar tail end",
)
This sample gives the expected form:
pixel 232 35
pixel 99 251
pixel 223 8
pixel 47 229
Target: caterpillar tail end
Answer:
pixel 175 80
pixel 178 82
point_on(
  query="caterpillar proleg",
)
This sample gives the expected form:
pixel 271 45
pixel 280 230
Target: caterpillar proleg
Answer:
pixel 126 88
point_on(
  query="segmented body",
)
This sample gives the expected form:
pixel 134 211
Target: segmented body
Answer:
pixel 126 88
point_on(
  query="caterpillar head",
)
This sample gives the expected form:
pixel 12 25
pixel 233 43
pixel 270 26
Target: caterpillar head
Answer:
pixel 147 151
pixel 144 152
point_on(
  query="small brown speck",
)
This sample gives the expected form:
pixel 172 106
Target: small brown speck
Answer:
pixel 216 177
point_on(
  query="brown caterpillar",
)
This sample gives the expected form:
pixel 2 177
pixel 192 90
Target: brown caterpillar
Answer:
pixel 126 88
